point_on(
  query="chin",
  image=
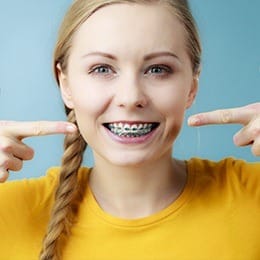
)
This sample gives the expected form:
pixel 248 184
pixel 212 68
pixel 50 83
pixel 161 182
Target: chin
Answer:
pixel 127 159
pixel 132 159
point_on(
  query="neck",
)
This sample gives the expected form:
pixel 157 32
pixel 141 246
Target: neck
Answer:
pixel 137 191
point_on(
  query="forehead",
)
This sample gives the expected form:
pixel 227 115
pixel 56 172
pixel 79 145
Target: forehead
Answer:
pixel 130 27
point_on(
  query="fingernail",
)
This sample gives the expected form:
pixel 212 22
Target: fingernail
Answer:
pixel 2 176
pixel 236 139
pixel 193 121
pixel 71 128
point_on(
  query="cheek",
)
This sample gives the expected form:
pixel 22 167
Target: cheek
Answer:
pixel 87 115
pixel 172 102
pixel 174 121
pixel 88 99
pixel 172 106
pixel 89 106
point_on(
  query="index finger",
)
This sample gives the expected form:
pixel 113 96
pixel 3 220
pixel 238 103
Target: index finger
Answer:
pixel 240 115
pixel 35 128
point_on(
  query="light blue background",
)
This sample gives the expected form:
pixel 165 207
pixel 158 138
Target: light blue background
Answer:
pixel 230 32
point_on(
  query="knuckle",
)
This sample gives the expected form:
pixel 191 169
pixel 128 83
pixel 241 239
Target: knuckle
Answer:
pixel 3 175
pixel 3 123
pixel 255 128
pixel 255 107
pixel 13 164
pixel 17 166
pixel 28 154
pixel 225 116
pixel 5 146
pixel 255 131
pixel 256 149
pixel 38 128
pixel 5 162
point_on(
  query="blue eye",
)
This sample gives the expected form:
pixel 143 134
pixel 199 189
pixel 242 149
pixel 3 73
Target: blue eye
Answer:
pixel 156 70
pixel 159 70
pixel 101 69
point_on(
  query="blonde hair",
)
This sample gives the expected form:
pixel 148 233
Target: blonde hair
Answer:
pixel 69 190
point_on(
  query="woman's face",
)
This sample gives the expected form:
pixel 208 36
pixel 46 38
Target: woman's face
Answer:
pixel 129 80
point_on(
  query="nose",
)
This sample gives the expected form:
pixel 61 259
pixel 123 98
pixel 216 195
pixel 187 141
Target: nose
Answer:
pixel 130 94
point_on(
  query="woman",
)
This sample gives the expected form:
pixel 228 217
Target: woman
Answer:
pixel 127 94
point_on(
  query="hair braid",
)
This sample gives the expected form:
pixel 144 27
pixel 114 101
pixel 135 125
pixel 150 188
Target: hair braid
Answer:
pixel 67 192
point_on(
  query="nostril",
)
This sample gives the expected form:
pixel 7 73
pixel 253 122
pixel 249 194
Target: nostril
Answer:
pixel 131 96
pixel 139 105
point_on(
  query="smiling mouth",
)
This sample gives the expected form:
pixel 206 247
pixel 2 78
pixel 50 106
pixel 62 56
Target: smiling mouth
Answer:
pixel 131 130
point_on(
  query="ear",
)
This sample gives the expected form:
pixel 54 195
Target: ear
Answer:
pixel 193 91
pixel 64 87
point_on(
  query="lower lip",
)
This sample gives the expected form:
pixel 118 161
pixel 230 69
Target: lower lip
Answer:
pixel 131 140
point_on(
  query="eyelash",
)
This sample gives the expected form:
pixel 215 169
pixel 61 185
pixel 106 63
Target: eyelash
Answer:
pixel 165 70
pixel 94 70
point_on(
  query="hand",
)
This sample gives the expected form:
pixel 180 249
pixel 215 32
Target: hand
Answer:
pixel 13 151
pixel 248 116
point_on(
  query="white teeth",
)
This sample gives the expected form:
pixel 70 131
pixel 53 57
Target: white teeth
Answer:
pixel 128 130
pixel 127 127
pixel 134 127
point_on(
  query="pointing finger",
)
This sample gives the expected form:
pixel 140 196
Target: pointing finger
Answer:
pixel 3 174
pixel 256 147
pixel 240 115
pixel 16 147
pixel 35 128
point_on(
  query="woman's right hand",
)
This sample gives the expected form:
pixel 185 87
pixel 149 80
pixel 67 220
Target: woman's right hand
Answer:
pixel 13 151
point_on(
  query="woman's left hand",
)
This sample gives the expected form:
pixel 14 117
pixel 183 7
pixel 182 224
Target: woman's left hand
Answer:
pixel 248 116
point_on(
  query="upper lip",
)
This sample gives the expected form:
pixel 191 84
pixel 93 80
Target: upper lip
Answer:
pixel 131 122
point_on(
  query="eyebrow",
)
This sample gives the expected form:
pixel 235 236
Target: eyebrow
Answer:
pixel 99 53
pixel 146 57
pixel 160 54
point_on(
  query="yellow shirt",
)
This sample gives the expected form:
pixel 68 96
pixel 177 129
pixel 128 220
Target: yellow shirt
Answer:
pixel 217 216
